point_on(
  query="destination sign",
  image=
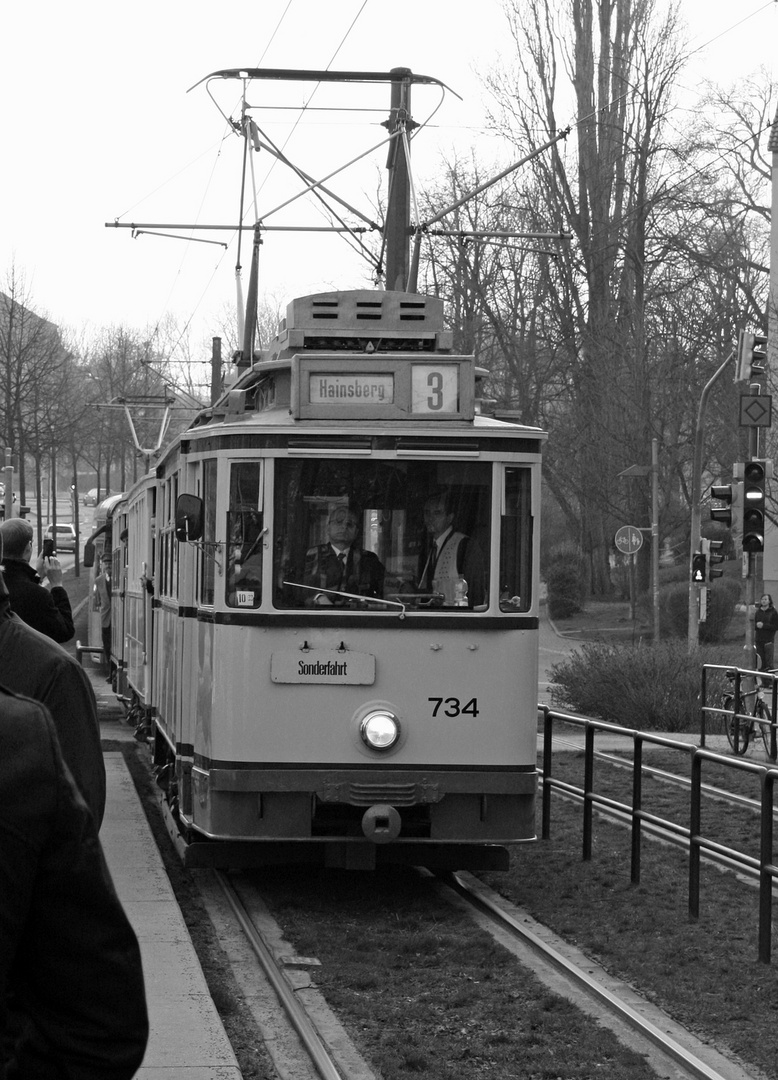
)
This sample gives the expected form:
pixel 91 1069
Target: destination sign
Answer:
pixel 323 666
pixel 403 386
pixel 327 388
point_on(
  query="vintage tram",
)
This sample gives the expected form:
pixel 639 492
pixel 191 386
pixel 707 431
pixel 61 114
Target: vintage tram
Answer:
pixel 376 711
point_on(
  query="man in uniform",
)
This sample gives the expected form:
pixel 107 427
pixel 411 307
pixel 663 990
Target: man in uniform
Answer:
pixel 342 564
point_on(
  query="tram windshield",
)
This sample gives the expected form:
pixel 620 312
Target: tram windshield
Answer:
pixel 359 534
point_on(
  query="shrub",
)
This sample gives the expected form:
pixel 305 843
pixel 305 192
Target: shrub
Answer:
pixel 652 688
pixel 564 586
pixel 674 609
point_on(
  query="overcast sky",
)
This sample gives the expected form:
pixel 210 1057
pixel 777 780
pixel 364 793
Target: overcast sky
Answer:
pixel 96 124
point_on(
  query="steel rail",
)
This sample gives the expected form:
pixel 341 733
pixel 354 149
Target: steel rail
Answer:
pixel 669 1046
pixel 298 1017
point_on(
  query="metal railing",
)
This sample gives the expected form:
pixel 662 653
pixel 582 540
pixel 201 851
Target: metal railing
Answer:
pixel 641 821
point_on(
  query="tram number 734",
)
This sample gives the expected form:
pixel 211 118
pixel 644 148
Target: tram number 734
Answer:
pixel 454 707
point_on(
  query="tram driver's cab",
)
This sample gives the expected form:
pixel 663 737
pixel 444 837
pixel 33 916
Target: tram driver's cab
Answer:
pixel 373 535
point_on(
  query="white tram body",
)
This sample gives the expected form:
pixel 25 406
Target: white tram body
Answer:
pixel 346 725
pixel 133 574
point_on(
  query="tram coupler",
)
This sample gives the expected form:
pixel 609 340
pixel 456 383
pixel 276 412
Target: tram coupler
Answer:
pixel 381 823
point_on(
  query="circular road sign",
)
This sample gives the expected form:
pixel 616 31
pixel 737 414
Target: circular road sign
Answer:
pixel 629 539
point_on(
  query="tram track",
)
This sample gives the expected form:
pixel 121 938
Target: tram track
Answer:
pixel 680 1053
pixel 303 1037
pixel 303 987
pixel 672 1052
pixel 320 1055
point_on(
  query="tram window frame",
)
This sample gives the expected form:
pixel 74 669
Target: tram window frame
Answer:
pixel 207 583
pixel 245 534
pixel 389 495
pixel 516 540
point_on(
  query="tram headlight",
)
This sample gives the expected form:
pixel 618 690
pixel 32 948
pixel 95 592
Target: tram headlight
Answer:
pixel 380 729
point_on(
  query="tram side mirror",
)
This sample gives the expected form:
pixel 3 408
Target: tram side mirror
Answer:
pixel 89 553
pixel 189 518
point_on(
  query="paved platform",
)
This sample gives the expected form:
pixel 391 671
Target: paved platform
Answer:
pixel 187 1040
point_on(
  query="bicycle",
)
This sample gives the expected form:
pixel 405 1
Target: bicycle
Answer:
pixel 753 721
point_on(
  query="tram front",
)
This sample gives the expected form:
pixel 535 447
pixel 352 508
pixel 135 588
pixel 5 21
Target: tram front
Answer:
pixel 367 636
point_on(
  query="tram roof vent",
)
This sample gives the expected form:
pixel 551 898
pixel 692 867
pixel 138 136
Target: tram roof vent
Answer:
pixel 364 309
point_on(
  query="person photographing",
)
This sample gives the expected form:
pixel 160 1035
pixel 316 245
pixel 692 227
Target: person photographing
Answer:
pixel 46 610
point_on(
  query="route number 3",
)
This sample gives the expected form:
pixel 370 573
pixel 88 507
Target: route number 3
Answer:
pixel 451 706
pixel 434 388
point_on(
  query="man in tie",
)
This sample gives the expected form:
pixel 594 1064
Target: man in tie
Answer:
pixel 342 565
pixel 452 557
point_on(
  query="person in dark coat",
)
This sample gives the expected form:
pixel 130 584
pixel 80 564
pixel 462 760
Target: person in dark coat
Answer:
pixel 341 564
pixel 35 666
pixel 46 610
pixel 765 627
pixel 72 997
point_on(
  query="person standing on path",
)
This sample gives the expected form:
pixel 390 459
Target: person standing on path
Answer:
pixel 765 627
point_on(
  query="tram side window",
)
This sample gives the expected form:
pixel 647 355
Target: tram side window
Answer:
pixel 208 564
pixel 516 542
pixel 385 518
pixel 245 533
pixel 168 547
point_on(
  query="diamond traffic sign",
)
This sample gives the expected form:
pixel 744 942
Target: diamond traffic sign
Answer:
pixel 756 411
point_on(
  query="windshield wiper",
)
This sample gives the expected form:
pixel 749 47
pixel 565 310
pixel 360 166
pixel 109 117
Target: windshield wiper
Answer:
pixel 351 596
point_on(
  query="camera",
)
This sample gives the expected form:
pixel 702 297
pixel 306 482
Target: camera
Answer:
pixel 48 548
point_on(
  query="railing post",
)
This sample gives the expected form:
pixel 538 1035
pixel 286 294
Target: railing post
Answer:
pixel 588 809
pixel 637 806
pixel 703 703
pixel 765 860
pixel 737 706
pixel 695 824
pixel 548 729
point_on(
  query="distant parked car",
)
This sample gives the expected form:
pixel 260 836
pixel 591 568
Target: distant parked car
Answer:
pixel 93 497
pixel 64 539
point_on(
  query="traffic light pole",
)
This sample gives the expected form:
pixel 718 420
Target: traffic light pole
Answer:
pixel 694 539
pixel 753 451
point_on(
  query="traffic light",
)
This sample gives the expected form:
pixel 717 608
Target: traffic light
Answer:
pixel 699 568
pixel 715 556
pixel 754 480
pixel 727 494
pixel 751 356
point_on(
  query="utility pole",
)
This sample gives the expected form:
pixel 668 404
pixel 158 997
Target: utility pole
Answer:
pixel 655 535
pixel 216 369
pixel 398 212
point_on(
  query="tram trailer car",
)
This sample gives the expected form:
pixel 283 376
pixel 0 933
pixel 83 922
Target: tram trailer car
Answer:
pixel 131 598
pixel 376 719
